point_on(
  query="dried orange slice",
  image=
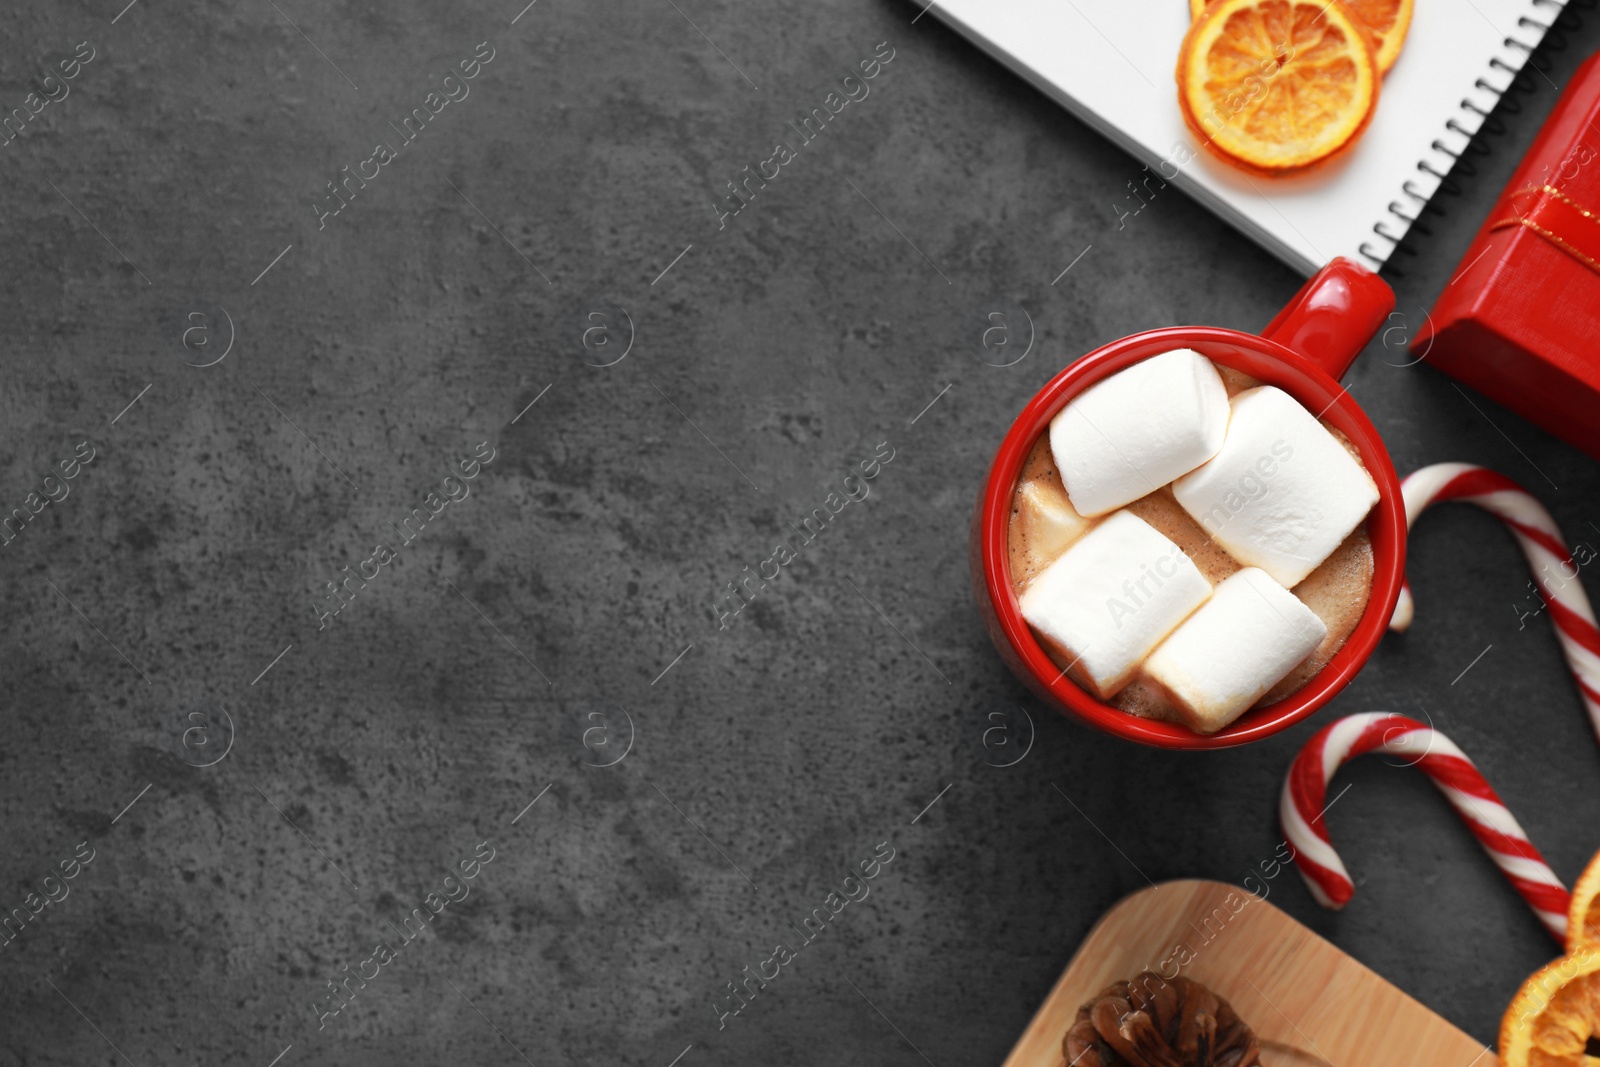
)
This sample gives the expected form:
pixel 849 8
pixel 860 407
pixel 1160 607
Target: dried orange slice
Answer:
pixel 1277 85
pixel 1554 1020
pixel 1583 921
pixel 1386 20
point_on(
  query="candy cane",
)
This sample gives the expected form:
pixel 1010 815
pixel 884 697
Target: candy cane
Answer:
pixel 1304 802
pixel 1541 542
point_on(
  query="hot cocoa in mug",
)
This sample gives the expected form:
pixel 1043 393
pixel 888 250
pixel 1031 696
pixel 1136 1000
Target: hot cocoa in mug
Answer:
pixel 1193 537
pixel 1335 591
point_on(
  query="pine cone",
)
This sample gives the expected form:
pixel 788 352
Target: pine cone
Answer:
pixel 1158 1022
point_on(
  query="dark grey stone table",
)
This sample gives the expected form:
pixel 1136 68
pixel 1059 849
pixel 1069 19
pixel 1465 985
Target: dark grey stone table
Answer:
pixel 540 281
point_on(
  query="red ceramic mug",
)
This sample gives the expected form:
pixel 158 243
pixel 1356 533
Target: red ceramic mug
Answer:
pixel 1303 351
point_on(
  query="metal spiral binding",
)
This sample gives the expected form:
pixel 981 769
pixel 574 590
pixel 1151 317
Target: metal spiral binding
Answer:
pixel 1553 39
pixel 1474 145
pixel 1394 209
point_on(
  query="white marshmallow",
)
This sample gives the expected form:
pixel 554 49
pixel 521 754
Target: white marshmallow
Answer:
pixel 1047 522
pixel 1111 598
pixel 1129 435
pixel 1239 644
pixel 1283 492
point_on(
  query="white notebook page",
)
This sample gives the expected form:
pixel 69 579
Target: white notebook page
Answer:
pixel 1113 63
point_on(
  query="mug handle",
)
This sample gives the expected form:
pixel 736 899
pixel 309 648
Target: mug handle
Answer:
pixel 1333 316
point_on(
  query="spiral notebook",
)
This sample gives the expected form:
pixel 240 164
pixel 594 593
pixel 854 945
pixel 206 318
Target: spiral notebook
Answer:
pixel 1112 63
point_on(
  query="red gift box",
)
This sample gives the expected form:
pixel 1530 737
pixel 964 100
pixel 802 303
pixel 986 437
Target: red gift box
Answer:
pixel 1520 319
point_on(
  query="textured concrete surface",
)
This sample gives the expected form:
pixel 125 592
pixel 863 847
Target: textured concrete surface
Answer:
pixel 296 793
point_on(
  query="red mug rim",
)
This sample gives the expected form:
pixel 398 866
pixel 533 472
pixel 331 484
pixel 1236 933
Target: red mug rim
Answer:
pixel 1273 364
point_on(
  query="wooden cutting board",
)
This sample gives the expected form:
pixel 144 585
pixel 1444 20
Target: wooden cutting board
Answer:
pixel 1291 986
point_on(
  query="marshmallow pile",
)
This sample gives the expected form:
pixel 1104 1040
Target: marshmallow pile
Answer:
pixel 1259 474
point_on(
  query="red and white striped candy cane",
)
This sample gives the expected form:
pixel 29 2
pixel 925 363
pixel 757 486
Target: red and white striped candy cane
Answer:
pixel 1541 541
pixel 1305 800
